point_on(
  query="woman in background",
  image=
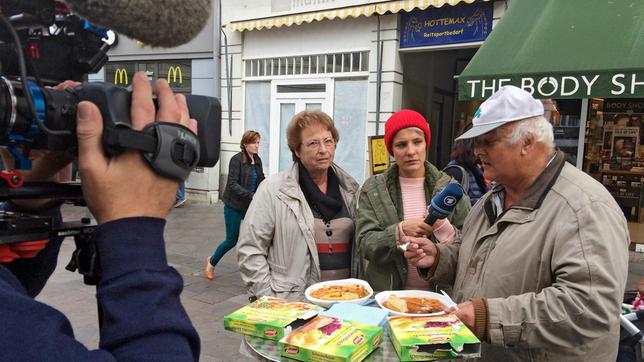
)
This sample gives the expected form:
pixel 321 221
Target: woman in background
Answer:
pixel 465 168
pixel 244 175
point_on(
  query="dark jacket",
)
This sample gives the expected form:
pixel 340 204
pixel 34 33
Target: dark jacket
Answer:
pixel 138 295
pixel 473 182
pixel 239 188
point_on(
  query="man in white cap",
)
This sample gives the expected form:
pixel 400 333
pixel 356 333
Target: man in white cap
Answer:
pixel 541 265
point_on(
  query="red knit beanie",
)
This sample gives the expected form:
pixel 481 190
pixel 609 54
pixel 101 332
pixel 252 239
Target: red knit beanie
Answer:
pixel 404 119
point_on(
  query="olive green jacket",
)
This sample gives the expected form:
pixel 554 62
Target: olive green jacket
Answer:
pixel 380 209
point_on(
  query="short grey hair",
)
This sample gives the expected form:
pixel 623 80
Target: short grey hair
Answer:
pixel 538 126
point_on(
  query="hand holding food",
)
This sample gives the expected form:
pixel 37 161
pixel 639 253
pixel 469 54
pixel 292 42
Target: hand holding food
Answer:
pixel 465 312
pixel 421 252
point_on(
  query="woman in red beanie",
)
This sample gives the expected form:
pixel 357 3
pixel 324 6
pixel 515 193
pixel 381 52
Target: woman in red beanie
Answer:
pixel 394 204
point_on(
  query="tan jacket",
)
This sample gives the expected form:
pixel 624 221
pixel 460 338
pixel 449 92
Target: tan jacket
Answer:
pixel 552 267
pixel 276 249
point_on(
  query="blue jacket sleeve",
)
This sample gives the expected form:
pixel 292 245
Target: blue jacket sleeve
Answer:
pixel 141 314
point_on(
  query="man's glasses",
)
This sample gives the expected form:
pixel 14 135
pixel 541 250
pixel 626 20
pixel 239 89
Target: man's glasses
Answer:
pixel 314 145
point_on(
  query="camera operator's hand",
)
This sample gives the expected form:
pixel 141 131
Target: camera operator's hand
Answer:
pixel 125 185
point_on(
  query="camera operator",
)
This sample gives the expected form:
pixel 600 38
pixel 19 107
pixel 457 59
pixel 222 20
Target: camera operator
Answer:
pixel 141 316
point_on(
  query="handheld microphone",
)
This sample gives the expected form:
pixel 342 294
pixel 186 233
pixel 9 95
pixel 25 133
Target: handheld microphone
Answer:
pixel 158 23
pixel 444 203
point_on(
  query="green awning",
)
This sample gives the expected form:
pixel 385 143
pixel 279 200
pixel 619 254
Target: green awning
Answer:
pixel 562 49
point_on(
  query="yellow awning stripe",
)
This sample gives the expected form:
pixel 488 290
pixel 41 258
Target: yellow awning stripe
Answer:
pixel 354 12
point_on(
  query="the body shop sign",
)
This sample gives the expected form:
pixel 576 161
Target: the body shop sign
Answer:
pixel 603 85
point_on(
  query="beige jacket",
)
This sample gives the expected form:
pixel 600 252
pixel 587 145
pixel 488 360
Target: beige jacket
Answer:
pixel 276 249
pixel 552 268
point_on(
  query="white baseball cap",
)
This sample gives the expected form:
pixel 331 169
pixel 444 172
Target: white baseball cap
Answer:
pixel 508 104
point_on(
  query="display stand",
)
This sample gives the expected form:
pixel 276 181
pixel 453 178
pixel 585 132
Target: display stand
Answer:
pixel 626 188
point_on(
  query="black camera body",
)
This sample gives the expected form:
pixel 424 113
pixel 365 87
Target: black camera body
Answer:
pixel 43 44
pixel 37 117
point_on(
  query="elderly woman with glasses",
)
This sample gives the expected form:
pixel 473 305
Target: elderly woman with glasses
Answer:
pixel 299 227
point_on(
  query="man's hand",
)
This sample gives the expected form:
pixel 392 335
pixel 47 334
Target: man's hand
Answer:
pixel 125 185
pixel 464 312
pixel 421 252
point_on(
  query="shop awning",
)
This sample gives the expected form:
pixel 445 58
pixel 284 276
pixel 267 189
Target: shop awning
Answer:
pixel 562 49
pixel 343 13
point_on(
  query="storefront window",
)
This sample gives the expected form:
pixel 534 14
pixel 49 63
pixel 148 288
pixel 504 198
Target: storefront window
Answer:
pixel 564 114
pixel 613 153
pixel 257 106
pixel 350 117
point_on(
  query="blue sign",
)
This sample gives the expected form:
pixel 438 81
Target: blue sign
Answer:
pixel 446 25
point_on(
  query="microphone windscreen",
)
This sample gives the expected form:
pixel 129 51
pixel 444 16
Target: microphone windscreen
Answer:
pixel 159 23
pixel 444 202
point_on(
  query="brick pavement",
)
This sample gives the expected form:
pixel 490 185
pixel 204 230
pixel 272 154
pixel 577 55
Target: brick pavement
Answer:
pixel 191 234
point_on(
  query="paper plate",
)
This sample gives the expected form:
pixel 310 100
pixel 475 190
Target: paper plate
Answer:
pixel 382 296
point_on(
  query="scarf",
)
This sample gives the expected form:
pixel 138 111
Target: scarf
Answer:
pixel 328 205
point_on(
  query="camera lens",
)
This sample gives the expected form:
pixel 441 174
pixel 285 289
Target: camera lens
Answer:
pixel 7 107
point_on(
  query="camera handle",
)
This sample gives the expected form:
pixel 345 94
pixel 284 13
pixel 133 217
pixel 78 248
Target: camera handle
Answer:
pixel 171 149
pixel 85 258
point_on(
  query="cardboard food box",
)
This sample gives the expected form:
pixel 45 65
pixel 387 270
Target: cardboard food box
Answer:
pixel 326 339
pixel 434 337
pixel 270 318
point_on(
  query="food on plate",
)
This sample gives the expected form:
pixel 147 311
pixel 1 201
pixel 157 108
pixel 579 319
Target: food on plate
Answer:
pixel 340 292
pixel 413 305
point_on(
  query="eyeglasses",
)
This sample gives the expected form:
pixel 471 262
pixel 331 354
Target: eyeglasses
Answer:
pixel 314 145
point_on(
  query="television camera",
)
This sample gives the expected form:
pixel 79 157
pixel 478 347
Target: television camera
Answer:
pixel 42 44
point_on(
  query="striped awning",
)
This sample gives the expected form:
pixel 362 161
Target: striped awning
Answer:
pixel 343 13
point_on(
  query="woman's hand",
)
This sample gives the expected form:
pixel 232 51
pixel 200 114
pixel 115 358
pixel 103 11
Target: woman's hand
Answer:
pixel 416 228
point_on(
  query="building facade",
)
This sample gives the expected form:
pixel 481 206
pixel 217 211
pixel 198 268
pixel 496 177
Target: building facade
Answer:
pixel 583 59
pixel 359 61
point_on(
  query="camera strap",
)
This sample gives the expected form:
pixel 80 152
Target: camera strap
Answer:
pixel 171 149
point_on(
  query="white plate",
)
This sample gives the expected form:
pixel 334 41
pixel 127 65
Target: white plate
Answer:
pixel 382 297
pixel 327 303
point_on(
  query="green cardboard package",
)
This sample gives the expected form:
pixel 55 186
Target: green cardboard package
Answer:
pixel 329 339
pixel 270 318
pixel 431 338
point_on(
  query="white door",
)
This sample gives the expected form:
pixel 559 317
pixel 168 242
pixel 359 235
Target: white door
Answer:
pixel 287 99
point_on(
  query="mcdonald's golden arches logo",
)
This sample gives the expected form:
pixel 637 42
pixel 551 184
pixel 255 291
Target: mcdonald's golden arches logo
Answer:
pixel 120 76
pixel 173 71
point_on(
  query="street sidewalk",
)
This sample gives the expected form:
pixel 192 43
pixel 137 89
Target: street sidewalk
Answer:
pixel 192 233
